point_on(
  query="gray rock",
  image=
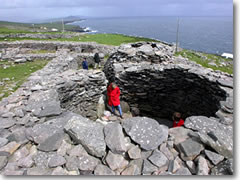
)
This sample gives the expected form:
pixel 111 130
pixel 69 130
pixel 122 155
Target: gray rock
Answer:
pixel 103 170
pixel 173 166
pixel 19 154
pixel 192 167
pixel 226 83
pixel 202 166
pixel 87 163
pixel 77 151
pixel 8 115
pixel 22 60
pixel 116 161
pixel 138 163
pixel 134 152
pixel 179 134
pixel 18 135
pixel 62 150
pixel 159 159
pixel 100 107
pixel 114 138
pixel 4 133
pixel 225 118
pixel 26 162
pixel 10 148
pixel 3 141
pixel 44 103
pixel 72 163
pixel 125 107
pixel 214 157
pixel 148 138
pixel 218 145
pixel 59 171
pixel 41 159
pixel 164 149
pixel 213 133
pixel 131 170
pixel 52 143
pixel 56 160
pixel 91 135
pixel 148 168
pixel 38 171
pixel 6 123
pixel 190 149
pixel 223 168
pixel 13 172
pixel 183 172
pixel 3 161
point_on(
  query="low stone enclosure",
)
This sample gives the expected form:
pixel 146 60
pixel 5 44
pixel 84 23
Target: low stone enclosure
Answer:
pixel 54 125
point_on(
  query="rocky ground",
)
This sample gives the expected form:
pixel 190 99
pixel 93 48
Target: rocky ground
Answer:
pixel 56 123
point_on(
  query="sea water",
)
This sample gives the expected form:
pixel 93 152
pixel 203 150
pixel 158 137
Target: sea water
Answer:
pixel 205 34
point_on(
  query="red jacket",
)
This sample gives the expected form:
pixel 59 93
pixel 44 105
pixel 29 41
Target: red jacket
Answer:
pixel 180 123
pixel 113 96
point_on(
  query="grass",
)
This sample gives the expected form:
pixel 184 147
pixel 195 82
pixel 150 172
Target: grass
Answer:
pixel 14 28
pixel 16 74
pixel 204 59
pixel 112 39
pixel 40 51
pixel 107 39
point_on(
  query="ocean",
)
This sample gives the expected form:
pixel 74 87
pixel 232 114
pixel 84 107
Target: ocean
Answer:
pixel 205 34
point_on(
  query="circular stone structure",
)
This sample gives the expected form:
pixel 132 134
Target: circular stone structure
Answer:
pixel 158 84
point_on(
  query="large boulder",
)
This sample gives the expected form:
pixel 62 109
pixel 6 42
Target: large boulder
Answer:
pixel 213 133
pixel 49 135
pixel 44 103
pixel 87 133
pixel 146 132
pixel 114 138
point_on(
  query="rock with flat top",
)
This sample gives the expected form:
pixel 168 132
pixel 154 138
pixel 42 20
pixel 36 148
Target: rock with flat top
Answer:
pixel 146 132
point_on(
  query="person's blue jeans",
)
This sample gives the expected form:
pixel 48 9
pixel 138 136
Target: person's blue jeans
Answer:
pixel 119 109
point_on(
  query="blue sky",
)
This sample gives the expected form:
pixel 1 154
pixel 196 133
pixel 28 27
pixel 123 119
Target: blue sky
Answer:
pixel 27 10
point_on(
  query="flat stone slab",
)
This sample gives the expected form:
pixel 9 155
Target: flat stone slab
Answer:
pixel 190 149
pixel 6 123
pixel 214 157
pixel 146 132
pixel 158 159
pixel 44 103
pixel 114 138
pixel 103 170
pixel 87 133
pixel 213 133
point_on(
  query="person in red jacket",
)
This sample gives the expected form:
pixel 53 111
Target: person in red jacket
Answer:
pixel 113 93
pixel 177 120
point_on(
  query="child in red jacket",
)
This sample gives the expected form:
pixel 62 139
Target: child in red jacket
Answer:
pixel 177 120
pixel 113 93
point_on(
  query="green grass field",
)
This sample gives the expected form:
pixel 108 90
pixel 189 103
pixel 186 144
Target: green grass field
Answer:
pixel 14 75
pixel 204 59
pixel 14 28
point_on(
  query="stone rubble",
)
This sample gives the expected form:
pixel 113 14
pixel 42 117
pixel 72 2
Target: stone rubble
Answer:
pixel 47 126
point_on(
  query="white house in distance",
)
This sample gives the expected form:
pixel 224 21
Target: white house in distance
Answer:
pixel 227 55
pixel 54 30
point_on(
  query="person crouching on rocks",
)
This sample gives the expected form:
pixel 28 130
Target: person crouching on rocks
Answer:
pixel 177 120
pixel 113 93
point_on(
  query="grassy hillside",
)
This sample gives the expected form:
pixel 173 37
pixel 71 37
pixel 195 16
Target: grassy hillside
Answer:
pixel 212 61
pixel 13 75
pixel 12 27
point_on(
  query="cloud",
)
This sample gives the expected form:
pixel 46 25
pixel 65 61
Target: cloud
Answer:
pixel 34 9
pixel 101 3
